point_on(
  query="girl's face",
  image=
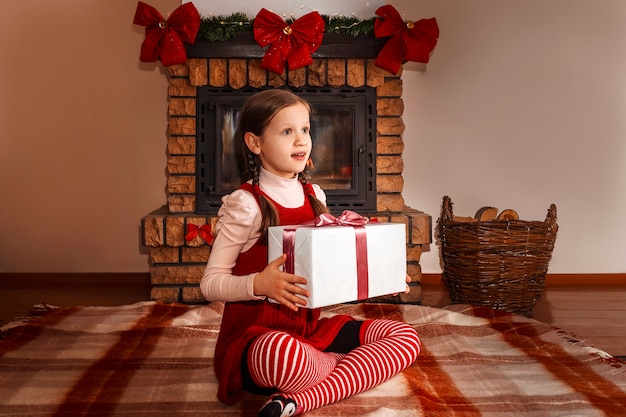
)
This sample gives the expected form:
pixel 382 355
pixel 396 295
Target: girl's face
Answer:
pixel 285 146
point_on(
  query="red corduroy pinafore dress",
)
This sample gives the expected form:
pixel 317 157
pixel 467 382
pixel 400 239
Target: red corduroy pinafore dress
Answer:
pixel 245 320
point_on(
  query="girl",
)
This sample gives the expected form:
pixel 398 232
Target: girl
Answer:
pixel 278 349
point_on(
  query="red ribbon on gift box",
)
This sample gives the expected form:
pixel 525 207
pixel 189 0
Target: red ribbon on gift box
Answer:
pixel 293 43
pixel 347 218
pixel 165 37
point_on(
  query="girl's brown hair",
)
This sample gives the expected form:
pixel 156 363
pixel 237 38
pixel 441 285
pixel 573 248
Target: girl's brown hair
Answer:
pixel 256 114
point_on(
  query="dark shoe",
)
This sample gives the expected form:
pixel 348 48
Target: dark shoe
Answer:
pixel 278 406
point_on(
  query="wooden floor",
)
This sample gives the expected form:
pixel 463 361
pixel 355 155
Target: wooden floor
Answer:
pixel 592 309
pixel 19 292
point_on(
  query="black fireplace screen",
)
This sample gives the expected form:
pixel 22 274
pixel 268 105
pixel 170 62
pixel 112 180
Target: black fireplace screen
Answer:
pixel 343 129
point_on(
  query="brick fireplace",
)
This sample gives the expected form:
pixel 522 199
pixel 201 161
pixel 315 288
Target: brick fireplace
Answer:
pixel 176 266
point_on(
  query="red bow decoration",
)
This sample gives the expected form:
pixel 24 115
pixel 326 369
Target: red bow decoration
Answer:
pixel 347 218
pixel 204 231
pixel 164 38
pixel 410 41
pixel 293 43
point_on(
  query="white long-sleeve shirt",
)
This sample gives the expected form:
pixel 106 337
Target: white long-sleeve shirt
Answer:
pixel 239 219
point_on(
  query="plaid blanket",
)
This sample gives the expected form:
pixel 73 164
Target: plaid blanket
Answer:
pixel 154 359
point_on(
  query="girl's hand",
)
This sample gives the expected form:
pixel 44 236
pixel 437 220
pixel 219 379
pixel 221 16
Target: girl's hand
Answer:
pixel 280 286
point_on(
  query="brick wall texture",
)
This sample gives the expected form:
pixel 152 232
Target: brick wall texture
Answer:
pixel 176 265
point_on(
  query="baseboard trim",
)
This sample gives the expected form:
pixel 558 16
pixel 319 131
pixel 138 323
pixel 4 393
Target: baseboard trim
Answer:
pixel 586 279
pixel 33 279
pixel 559 279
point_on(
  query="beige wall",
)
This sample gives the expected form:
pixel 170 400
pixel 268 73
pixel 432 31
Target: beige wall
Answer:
pixel 82 136
pixel 522 105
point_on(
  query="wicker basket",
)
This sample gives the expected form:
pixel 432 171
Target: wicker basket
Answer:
pixel 500 264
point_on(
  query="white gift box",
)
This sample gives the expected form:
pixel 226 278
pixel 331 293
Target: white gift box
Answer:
pixel 327 257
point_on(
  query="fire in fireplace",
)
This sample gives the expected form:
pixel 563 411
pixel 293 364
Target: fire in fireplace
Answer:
pixel 343 129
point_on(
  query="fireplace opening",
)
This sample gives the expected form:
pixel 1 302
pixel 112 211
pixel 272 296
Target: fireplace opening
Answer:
pixel 343 130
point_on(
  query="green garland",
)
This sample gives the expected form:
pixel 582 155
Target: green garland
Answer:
pixel 221 28
pixel 349 25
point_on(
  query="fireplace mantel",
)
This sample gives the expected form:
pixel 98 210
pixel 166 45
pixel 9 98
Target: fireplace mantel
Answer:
pixel 243 45
pixel 177 263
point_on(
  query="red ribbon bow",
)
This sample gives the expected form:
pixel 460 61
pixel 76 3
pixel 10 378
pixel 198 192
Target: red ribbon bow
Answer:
pixel 164 38
pixel 347 218
pixel 293 43
pixel 204 231
pixel 410 41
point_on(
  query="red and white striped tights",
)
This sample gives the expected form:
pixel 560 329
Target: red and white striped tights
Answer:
pixel 313 378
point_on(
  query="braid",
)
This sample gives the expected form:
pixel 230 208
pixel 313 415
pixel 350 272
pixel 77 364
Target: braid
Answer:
pixel 253 168
pixel 316 204
pixel 269 214
pixel 303 176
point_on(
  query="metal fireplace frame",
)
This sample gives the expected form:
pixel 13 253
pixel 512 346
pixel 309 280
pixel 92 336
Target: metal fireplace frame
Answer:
pixel 361 103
